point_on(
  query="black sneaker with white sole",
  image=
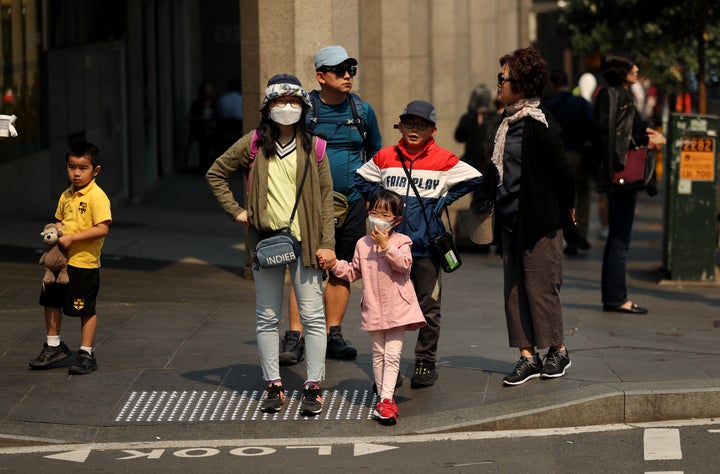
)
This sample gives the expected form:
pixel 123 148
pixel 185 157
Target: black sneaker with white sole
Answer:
pixel 555 363
pixel 311 403
pixel 526 368
pixel 274 399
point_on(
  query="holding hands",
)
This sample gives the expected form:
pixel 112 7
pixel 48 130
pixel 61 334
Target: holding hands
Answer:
pixel 326 258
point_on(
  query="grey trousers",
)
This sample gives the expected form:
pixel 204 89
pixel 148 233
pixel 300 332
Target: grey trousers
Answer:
pixel 532 281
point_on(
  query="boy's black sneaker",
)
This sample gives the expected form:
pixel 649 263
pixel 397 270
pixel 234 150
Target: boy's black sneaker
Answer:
pixel 274 399
pixel 555 363
pixel 50 355
pixel 526 368
pixel 425 374
pixel 337 348
pixel 84 363
pixel 292 348
pixel 311 403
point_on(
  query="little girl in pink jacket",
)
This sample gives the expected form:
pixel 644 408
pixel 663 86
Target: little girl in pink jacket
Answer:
pixel 389 306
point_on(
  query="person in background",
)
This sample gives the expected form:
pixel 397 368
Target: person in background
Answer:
pixel 203 124
pixel 476 129
pixel 230 115
pixel 617 128
pixel 285 163
pixel 536 192
pixel 574 114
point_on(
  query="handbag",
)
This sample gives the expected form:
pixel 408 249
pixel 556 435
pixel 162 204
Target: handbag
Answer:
pixel 340 208
pixel 281 248
pixel 442 243
pixel 638 171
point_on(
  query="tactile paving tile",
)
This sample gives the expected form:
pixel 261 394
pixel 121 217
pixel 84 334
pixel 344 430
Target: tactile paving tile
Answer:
pixel 190 406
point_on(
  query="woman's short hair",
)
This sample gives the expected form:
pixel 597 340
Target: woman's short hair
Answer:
pixel 616 66
pixel 528 71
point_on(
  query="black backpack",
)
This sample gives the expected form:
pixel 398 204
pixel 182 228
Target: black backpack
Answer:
pixel 355 107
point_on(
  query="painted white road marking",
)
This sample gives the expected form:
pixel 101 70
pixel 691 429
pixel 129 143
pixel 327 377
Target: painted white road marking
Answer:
pixel 361 449
pixel 79 455
pixel 662 444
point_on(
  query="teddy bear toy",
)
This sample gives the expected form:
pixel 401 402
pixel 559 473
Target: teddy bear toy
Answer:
pixel 55 257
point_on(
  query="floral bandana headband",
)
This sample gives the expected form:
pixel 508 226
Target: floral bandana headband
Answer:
pixel 279 90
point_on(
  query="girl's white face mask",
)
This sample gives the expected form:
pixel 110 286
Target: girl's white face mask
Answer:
pixel 381 224
pixel 285 115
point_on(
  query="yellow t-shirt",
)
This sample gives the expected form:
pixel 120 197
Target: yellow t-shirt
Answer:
pixel 282 191
pixel 82 210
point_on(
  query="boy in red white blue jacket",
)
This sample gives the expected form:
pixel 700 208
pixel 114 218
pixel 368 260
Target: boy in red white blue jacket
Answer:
pixel 441 179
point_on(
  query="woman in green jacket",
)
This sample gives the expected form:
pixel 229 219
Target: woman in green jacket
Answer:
pixel 283 149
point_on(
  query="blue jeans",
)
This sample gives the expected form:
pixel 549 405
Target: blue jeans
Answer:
pixel 269 286
pixel 621 213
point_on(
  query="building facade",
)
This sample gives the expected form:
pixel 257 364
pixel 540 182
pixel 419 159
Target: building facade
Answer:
pixel 123 73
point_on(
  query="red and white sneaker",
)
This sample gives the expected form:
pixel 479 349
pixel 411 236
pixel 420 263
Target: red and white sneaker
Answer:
pixel 386 412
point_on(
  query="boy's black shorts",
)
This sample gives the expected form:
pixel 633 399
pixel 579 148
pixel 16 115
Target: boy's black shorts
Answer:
pixel 76 298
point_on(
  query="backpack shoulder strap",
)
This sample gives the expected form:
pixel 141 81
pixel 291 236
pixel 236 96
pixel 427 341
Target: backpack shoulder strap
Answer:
pixel 313 117
pixel 254 148
pixel 356 105
pixel 320 146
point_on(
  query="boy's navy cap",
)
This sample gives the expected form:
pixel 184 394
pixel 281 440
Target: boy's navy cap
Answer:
pixel 332 56
pixel 421 109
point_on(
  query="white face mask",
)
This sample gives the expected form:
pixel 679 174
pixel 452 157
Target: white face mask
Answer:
pixel 382 225
pixel 285 115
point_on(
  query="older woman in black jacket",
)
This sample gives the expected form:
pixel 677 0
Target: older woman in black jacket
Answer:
pixel 618 128
pixel 535 193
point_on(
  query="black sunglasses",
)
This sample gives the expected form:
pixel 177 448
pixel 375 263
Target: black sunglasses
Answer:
pixel 502 79
pixel 340 71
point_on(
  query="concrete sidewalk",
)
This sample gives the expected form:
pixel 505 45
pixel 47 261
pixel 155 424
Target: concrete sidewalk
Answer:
pixel 177 357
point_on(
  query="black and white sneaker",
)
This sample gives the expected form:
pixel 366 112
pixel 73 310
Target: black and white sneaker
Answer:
pixel 311 403
pixel 555 363
pixel 526 368
pixel 274 399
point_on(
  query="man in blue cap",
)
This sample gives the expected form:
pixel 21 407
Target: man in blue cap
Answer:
pixel 350 127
